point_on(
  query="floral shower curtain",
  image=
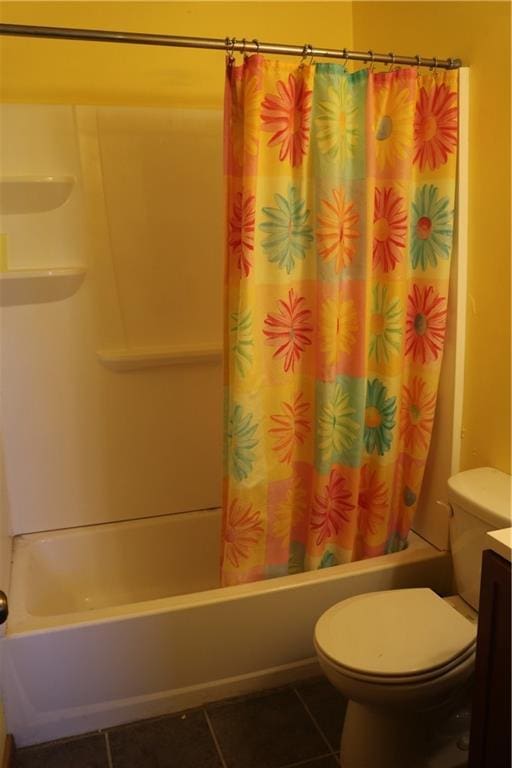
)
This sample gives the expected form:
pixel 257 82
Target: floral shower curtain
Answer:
pixel 340 198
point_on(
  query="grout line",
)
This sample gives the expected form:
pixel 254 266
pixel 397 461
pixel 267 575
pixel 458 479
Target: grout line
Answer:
pixel 324 738
pixel 109 754
pixel 216 741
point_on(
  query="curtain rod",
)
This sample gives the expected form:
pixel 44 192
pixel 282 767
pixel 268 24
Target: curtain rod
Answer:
pixel 229 45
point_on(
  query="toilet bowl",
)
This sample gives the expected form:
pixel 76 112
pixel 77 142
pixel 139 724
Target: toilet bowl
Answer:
pixel 403 657
pixel 399 656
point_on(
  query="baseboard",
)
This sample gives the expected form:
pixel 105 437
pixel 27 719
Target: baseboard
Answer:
pixel 8 753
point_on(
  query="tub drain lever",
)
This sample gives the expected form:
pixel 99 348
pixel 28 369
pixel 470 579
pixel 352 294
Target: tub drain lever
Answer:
pixel 4 607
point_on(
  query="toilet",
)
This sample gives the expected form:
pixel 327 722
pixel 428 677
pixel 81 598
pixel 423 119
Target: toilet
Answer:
pixel 403 657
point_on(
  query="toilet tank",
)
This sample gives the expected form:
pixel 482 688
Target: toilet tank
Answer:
pixel 481 501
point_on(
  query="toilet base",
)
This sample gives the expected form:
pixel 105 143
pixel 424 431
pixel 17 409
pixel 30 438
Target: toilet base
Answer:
pixel 393 739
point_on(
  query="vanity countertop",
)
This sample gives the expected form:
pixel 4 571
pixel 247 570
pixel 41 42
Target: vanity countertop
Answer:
pixel 501 542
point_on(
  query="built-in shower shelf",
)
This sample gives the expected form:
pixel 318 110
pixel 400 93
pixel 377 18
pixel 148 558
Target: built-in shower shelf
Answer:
pixel 37 286
pixel 134 359
pixel 34 194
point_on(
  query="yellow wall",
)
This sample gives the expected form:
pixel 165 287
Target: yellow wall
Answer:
pixel 56 71
pixel 478 33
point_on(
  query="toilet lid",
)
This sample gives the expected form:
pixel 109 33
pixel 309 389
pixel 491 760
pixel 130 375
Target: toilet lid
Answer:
pixel 395 633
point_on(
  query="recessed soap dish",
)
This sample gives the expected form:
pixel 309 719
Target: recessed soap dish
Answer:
pixel 34 194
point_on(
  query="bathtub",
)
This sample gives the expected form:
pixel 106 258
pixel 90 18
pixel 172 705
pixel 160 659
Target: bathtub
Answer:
pixel 118 622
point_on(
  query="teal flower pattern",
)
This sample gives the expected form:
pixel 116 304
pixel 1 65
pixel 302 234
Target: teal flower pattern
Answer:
pixel 337 429
pixel 395 543
pixel 379 418
pixel 431 227
pixel 336 123
pixel 296 557
pixel 328 560
pixel 240 328
pixel 241 442
pixel 288 235
pixel 385 325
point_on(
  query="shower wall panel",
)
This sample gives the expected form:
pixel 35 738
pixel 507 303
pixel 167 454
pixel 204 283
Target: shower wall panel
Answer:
pixel 85 444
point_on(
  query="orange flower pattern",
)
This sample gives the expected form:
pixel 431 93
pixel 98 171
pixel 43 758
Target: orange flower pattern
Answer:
pixel 288 116
pixel 435 126
pixel 332 509
pixel 289 330
pixel 389 228
pixel 241 238
pixel 417 414
pixel 242 530
pixel 372 502
pixel 426 324
pixel 292 427
pixel 338 229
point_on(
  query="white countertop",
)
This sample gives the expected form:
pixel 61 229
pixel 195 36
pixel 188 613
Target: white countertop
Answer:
pixel 501 542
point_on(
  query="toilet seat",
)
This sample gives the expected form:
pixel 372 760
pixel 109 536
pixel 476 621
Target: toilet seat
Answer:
pixel 467 658
pixel 395 637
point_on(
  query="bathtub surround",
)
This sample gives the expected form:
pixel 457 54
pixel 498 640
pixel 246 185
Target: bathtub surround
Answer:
pixel 102 446
pixel 338 253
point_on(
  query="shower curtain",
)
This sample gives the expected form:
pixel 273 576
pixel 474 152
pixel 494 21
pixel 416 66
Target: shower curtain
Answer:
pixel 340 196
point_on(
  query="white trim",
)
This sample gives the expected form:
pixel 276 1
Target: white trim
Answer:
pixel 462 267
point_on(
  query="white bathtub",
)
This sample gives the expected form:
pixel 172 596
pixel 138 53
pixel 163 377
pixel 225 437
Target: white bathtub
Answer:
pixel 113 623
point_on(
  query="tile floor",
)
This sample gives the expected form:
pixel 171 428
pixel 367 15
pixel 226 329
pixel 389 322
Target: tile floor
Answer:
pixel 295 726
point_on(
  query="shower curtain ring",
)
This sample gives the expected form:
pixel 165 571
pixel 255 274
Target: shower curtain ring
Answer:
pixel 257 44
pixel 418 65
pixel 370 68
pixel 230 49
pixel 433 69
pixel 306 49
pixel 392 64
pixel 244 43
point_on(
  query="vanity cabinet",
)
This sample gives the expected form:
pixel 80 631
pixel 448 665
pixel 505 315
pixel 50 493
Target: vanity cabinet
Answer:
pixel 490 721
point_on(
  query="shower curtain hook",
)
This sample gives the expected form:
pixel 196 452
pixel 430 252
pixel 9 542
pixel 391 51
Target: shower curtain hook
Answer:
pixel 392 64
pixel 257 44
pixel 230 49
pixel 244 43
pixel 306 49
pixel 418 65
pixel 370 68
pixel 433 69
